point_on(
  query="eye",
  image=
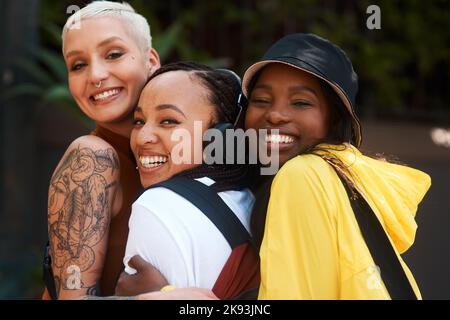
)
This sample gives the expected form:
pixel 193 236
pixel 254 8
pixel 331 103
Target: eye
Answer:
pixel 260 101
pixel 301 103
pixel 138 122
pixel 78 66
pixel 116 54
pixel 170 121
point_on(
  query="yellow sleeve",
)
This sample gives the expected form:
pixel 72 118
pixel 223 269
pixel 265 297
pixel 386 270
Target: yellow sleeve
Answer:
pixel 299 255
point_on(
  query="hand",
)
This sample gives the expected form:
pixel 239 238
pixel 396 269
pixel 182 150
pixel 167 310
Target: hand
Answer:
pixel 180 294
pixel 147 279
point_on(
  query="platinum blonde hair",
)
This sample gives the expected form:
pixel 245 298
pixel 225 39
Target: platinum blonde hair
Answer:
pixel 138 26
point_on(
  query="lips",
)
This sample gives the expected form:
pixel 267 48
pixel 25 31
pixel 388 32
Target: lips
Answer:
pixel 279 138
pixel 152 161
pixel 105 95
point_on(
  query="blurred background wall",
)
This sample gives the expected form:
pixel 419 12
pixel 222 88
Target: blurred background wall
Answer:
pixel 403 68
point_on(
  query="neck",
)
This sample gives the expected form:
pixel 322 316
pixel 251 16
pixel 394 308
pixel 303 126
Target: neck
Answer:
pixel 122 127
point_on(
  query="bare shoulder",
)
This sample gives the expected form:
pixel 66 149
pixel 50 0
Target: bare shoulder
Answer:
pixel 95 152
pixel 94 143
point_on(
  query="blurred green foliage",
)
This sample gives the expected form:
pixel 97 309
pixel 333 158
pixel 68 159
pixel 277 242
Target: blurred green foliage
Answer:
pixel 403 68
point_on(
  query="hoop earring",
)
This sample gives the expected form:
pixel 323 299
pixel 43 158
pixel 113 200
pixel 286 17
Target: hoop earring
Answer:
pixel 98 85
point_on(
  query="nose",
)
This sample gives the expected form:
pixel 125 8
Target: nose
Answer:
pixel 98 72
pixel 146 135
pixel 277 114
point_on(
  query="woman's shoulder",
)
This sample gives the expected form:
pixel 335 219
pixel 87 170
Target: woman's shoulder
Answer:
pixel 94 147
pixel 305 166
pixel 90 152
pixel 311 174
pixel 93 161
pixel 91 142
pixel 159 200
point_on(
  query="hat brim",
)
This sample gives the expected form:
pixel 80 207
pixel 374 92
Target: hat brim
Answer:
pixel 252 70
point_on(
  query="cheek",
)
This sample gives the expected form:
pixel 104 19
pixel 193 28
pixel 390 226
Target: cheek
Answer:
pixel 251 117
pixel 135 74
pixel 137 79
pixel 323 124
pixel 75 87
pixel 133 142
pixel 314 126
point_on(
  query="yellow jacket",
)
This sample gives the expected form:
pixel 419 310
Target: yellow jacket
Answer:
pixel 312 246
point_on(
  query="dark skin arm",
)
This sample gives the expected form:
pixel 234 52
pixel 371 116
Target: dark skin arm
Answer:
pixel 147 279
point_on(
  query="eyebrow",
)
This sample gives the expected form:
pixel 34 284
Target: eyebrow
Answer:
pixel 294 88
pixel 163 107
pixel 303 88
pixel 262 86
pixel 170 106
pixel 101 44
pixel 109 40
pixel 72 53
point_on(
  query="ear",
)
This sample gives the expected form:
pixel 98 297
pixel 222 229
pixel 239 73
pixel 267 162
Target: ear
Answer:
pixel 153 62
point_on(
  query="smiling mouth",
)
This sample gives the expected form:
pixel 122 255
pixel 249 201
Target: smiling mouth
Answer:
pixel 106 95
pixel 151 162
pixel 279 139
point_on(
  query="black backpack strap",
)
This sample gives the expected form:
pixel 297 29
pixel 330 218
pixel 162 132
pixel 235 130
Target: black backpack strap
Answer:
pixel 249 294
pixel 383 254
pixel 49 280
pixel 212 206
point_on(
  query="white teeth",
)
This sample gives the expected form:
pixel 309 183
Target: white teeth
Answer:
pixel 279 138
pixel 153 161
pixel 106 94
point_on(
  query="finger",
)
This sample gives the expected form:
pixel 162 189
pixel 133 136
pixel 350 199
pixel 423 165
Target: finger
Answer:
pixel 121 284
pixel 136 262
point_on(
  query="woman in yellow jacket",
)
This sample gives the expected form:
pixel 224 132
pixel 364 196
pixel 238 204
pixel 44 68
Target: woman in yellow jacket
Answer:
pixel 303 92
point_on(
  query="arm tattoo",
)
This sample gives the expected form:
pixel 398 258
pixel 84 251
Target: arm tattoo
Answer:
pixel 79 212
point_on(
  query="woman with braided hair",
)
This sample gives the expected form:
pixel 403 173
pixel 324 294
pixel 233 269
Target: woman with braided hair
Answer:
pixel 166 229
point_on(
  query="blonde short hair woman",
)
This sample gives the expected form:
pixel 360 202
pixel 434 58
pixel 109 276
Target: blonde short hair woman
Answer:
pixel 109 57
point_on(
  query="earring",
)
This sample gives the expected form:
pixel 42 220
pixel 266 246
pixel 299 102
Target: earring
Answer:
pixel 137 168
pixel 98 85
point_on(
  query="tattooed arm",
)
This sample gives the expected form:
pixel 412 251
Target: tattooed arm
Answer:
pixel 82 199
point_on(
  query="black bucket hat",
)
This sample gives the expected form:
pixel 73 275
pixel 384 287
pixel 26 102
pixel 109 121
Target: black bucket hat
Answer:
pixel 320 58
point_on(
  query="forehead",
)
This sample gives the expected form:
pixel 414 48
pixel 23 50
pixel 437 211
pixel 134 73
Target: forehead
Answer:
pixel 92 31
pixel 283 73
pixel 176 86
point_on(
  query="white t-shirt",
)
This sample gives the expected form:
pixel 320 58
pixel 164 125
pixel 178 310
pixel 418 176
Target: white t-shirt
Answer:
pixel 178 239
